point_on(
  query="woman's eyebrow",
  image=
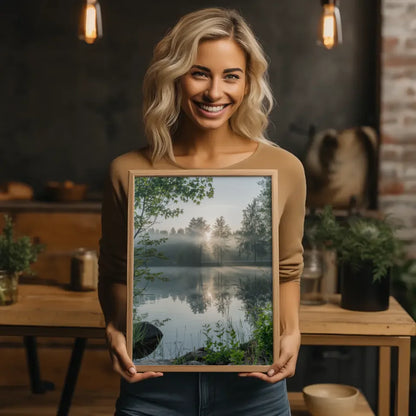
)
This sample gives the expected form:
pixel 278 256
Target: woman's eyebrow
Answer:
pixel 204 68
pixel 226 71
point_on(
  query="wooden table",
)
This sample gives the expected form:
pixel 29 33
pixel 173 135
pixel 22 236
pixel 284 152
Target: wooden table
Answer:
pixel 53 311
pixel 329 324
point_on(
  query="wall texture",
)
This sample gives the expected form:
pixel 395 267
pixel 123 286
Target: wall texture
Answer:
pixel 398 116
pixel 68 108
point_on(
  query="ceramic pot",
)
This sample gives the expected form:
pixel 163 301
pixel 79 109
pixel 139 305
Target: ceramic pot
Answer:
pixel 8 287
pixel 360 292
pixel 331 399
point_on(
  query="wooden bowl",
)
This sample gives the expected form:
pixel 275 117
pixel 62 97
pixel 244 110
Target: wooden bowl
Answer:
pixel 330 399
pixel 67 191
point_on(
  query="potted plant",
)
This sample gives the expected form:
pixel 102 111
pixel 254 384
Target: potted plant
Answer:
pixel 320 232
pixel 367 249
pixel 16 256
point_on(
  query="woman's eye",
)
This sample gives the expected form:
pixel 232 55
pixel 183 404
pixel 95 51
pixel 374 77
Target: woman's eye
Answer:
pixel 199 74
pixel 232 76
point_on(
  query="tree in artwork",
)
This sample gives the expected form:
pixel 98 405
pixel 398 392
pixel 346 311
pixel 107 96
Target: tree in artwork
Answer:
pixel 220 236
pixel 254 236
pixel 198 229
pixel 156 198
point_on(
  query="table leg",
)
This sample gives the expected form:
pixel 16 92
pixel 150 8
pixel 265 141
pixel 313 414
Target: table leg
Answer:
pixel 37 385
pixel 71 376
pixel 384 377
pixel 403 377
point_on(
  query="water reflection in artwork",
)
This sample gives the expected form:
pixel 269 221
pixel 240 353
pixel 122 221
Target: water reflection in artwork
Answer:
pixel 192 297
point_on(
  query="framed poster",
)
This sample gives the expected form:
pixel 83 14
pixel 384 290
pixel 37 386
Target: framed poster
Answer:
pixel 203 282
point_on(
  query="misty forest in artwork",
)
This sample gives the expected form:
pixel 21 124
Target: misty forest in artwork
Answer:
pixel 202 292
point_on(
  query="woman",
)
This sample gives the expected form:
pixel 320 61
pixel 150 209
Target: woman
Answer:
pixel 206 102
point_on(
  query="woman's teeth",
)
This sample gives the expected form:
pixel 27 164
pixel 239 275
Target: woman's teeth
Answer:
pixel 211 108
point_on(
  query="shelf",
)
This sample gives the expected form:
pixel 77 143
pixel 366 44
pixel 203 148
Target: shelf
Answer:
pixel 298 407
pixel 43 206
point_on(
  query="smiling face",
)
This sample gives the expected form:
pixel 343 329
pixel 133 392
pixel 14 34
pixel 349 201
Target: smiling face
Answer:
pixel 213 89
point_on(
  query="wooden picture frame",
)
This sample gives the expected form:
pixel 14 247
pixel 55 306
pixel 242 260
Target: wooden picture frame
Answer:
pixel 203 274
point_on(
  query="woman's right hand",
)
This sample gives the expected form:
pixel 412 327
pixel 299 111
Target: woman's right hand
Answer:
pixel 122 364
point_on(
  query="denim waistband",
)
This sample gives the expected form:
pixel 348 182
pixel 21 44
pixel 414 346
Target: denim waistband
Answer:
pixel 202 394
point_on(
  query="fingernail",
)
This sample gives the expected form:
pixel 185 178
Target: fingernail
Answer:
pixel 270 373
pixel 132 370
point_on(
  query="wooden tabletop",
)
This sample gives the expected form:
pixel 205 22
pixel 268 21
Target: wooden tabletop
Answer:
pixel 53 310
pixel 61 312
pixel 330 318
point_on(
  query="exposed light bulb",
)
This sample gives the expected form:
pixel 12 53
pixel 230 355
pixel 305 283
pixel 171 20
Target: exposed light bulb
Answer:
pixel 330 32
pixel 91 24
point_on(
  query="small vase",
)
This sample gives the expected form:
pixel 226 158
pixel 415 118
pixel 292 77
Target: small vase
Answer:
pixel 8 287
pixel 360 292
pixel 310 283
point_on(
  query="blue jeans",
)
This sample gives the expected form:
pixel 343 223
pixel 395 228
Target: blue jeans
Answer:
pixel 202 394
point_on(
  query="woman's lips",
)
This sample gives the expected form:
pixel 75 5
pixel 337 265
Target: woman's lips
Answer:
pixel 211 110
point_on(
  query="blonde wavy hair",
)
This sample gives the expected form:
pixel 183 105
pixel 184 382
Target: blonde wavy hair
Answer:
pixel 173 57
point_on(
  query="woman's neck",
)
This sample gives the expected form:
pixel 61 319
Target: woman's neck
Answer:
pixel 210 148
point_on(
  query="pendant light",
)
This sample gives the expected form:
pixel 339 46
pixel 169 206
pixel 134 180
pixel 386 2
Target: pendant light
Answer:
pixel 91 27
pixel 330 32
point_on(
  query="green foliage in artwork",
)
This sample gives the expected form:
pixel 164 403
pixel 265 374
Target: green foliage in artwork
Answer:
pixel 265 201
pixel 221 234
pixel 197 227
pixel 255 235
pixel 144 342
pixel 255 295
pixel 154 199
pixel 222 345
pixel 263 334
pixel 143 253
pixel 156 195
pixel 138 333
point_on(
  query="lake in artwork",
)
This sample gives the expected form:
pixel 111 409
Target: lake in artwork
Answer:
pixel 202 271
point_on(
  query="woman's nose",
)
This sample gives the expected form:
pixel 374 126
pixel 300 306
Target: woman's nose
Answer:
pixel 213 92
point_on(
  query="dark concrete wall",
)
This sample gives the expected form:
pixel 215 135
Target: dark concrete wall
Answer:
pixel 68 108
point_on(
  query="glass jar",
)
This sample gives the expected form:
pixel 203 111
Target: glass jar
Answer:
pixel 310 284
pixel 84 270
pixel 8 287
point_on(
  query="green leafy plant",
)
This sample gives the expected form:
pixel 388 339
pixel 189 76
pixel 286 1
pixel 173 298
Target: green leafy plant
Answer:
pixel 373 241
pixel 222 345
pixel 323 230
pixel 263 334
pixel 16 255
pixel 358 240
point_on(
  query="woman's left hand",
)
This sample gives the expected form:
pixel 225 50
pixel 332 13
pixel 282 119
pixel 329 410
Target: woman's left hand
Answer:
pixel 286 364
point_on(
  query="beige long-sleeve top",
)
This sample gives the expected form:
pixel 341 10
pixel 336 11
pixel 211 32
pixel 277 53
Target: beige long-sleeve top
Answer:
pixel 291 208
